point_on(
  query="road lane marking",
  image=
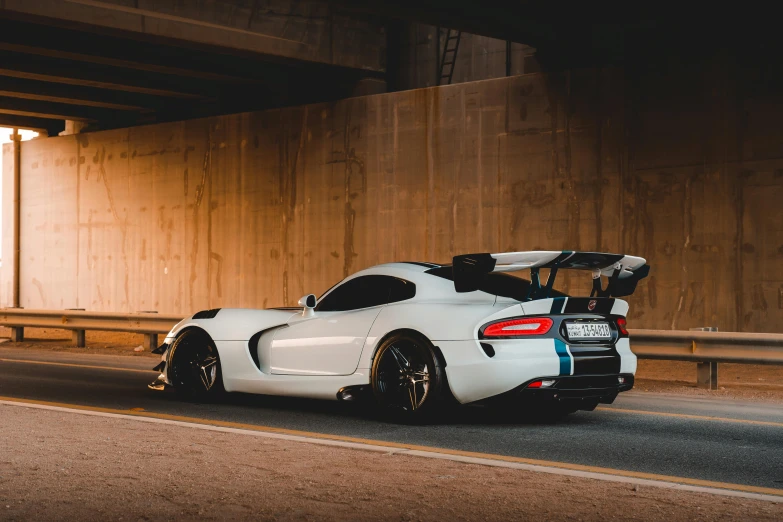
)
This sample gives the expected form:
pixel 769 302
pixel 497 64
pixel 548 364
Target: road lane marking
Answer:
pixel 488 459
pixel 693 417
pixel 71 365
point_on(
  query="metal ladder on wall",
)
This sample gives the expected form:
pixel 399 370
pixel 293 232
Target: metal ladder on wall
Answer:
pixel 449 56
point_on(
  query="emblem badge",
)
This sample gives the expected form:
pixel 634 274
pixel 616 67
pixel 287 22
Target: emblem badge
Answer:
pixel 591 304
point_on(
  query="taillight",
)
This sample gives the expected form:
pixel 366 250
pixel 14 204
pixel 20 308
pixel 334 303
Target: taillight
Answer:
pixel 621 325
pixel 542 384
pixel 517 327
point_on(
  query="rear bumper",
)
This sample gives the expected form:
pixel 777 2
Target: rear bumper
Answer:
pixel 474 376
pixel 579 387
pixel 579 391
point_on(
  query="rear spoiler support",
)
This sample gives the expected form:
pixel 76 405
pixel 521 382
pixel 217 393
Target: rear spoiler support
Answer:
pixel 536 290
pixel 617 287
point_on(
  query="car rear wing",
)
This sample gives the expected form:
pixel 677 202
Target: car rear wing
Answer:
pixel 623 272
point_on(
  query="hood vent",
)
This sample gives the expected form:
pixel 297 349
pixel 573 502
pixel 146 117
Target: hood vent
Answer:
pixel 206 314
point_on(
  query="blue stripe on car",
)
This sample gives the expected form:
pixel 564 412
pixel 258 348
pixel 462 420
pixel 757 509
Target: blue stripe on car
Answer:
pixel 565 357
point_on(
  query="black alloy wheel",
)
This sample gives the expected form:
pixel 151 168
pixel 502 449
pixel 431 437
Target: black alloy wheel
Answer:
pixel 194 365
pixel 407 376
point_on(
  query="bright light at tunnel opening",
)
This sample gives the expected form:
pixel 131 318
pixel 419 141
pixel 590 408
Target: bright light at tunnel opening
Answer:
pixel 6 132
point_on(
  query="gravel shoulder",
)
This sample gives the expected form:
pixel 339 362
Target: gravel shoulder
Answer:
pixel 735 381
pixel 66 466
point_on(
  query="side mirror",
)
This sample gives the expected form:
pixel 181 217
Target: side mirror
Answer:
pixel 308 303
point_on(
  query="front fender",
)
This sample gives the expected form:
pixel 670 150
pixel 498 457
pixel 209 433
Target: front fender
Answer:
pixel 234 324
pixel 230 329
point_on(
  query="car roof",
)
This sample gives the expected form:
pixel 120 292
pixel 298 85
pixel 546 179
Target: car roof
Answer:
pixel 413 266
pixel 429 287
pixel 435 282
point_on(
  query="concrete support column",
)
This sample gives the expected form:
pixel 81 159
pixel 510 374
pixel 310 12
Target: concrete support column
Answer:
pixel 72 127
pixel 9 272
pixel 17 146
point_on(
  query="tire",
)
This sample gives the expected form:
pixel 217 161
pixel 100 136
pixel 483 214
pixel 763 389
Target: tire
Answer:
pixel 194 366
pixel 408 378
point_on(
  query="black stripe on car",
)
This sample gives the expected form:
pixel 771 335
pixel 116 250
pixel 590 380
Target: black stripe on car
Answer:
pixel 566 254
pixel 577 305
pixel 418 263
pixel 594 360
pixel 591 357
pixel 557 305
pixel 592 260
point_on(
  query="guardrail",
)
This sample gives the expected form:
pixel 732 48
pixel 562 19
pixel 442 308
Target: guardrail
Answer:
pixel 702 347
pixel 707 349
pixel 151 324
pixel 697 346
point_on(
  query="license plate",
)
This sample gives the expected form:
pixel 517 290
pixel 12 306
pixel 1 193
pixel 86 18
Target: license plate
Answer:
pixel 588 331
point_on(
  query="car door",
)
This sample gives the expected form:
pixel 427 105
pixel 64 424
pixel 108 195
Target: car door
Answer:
pixel 330 342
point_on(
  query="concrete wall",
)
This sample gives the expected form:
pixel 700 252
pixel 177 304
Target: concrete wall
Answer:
pixel 680 165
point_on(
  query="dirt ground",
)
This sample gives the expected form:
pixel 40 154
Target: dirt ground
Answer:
pixel 66 466
pixel 736 381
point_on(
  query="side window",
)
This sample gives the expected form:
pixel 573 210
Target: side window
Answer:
pixel 366 291
pixel 401 290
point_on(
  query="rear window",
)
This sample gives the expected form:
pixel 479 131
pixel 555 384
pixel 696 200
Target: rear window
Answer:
pixel 501 285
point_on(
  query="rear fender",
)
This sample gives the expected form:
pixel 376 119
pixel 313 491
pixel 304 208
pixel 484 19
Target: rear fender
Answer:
pixel 435 321
pixel 512 311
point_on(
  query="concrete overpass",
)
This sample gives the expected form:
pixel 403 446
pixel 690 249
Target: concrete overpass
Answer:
pixel 673 153
pixel 117 63
pixel 112 64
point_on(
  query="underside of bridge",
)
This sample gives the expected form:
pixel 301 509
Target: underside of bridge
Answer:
pixel 117 63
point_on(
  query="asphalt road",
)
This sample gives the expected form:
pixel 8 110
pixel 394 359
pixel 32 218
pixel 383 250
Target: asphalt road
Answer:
pixel 641 432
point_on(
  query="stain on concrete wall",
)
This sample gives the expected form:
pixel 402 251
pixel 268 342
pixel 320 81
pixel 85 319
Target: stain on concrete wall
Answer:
pixel 257 209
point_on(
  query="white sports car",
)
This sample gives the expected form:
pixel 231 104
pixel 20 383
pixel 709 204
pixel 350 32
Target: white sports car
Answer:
pixel 411 335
